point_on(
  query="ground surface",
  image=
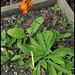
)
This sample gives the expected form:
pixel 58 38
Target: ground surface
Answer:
pixel 48 16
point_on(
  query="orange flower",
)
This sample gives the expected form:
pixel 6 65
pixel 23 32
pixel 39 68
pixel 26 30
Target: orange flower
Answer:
pixel 23 6
pixel 25 12
pixel 30 4
pixel 29 0
pixel 23 1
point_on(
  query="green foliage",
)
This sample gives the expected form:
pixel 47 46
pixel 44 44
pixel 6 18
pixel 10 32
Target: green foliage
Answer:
pixel 16 57
pixel 16 33
pixel 3 35
pixel 66 35
pixel 64 16
pixel 55 7
pixel 11 52
pixel 29 30
pixel 5 52
pixel 69 30
pixel 41 50
pixel 20 21
pixel 52 70
pixel 44 64
pixel 20 61
pixel 64 24
pixel 54 21
pixel 35 25
pixel 70 22
pixel 11 22
pixel 6 68
pixel 37 70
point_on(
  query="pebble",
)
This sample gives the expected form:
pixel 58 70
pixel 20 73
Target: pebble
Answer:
pixel 2 49
pixel 61 27
pixel 21 70
pixel 13 17
pixel 5 71
pixel 15 73
pixel 10 65
pixel 1 26
pixel 14 66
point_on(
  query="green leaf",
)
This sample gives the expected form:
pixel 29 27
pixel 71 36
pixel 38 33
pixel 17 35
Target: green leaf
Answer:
pixel 49 37
pixel 35 25
pixel 44 64
pixel 24 39
pixel 19 21
pixel 34 50
pixel 16 57
pixel 58 61
pixel 29 30
pixel 11 52
pixel 66 35
pixel 29 62
pixel 21 74
pixel 58 9
pixel 70 22
pixel 16 32
pixel 11 42
pixel 37 70
pixel 3 43
pixel 69 30
pixel 52 70
pixel 20 61
pixel 55 6
pixel 11 22
pixel 3 35
pixel 58 67
pixel 24 49
pixel 22 19
pixel 69 64
pixel 5 52
pixel 8 40
pixel 4 58
pixel 40 39
pixel 54 21
pixel 64 16
pixel 59 73
pixel 6 68
pixel 35 43
pixel 64 24
pixel 61 52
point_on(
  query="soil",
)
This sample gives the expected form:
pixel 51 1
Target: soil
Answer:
pixel 48 15
pixel 71 3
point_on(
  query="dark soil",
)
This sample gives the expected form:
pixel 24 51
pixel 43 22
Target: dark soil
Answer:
pixel 48 15
pixel 71 3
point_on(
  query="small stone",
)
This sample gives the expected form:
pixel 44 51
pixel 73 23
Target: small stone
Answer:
pixel 1 26
pixel 10 65
pixel 5 71
pixel 61 27
pixel 41 10
pixel 21 70
pixel 15 73
pixel 13 17
pixel 14 66
pixel 2 49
